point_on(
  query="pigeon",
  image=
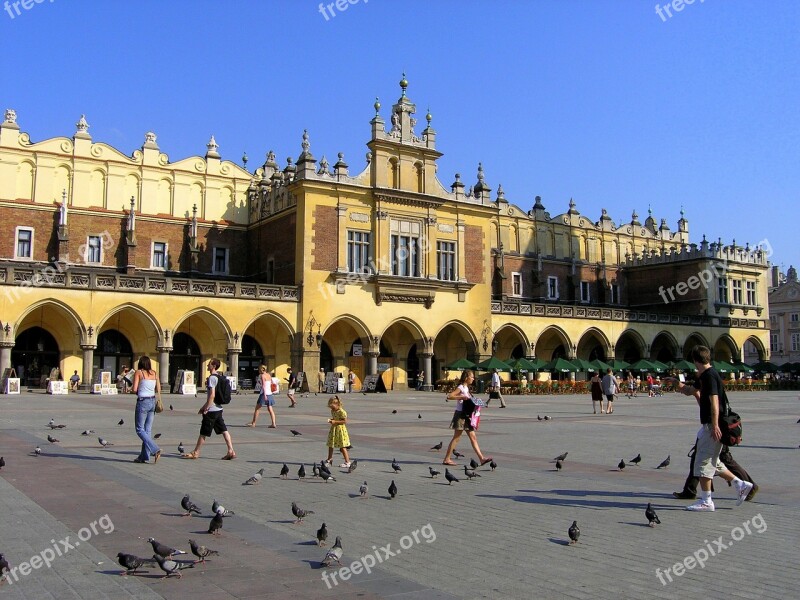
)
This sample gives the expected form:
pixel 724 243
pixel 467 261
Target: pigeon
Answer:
pixel 334 554
pixel 295 432
pixel 664 464
pixel 104 443
pixel 419 416
pixel 322 535
pixel 156 436
pixel 798 420
pixel 201 552
pixel 363 490
pixel 651 515
pixel 301 472
pixel 561 457
pixel 162 550
pixel 216 524
pixel 52 440
pixel 54 426
pixel 170 567
pixel 171 407
pixel 189 506
pixel 2 462
pixel 574 533
pixel 457 454
pixel 255 478
pixel 392 489
pixel 450 477
pixel 323 468
pixel 300 513
pixel 621 464
pixel 89 432
pixel 395 465
pixel 636 460
pixel 216 507
pixel 546 418
pixel 121 422
pixel 181 448
pixel 493 465
pixel 352 466
pixel 539 418
pixel 471 474
pixel 438 446
pixel 433 472
pixel 4 568
pixel 130 562
pixel 326 475
pixel 284 471
pixel 51 423
pixel 315 470
pixel 37 451
pixel 559 465
pixel 473 464
pixel 394 412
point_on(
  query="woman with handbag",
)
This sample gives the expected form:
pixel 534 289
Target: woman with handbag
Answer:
pixel 461 421
pixel 265 397
pixel 148 392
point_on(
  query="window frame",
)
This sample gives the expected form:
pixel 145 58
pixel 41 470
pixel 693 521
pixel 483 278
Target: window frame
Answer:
pixel 736 292
pixel 751 299
pixel 153 254
pixel 214 269
pixel 90 248
pixel 446 260
pixel 613 293
pixel 587 286
pixel 17 231
pixel 722 290
pixel 516 278
pixel 359 248
pixel 550 280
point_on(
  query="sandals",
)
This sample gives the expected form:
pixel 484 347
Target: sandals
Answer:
pixel 191 455
pixel 450 464
pixel 250 425
pixel 488 459
pixel 229 456
pixel 156 456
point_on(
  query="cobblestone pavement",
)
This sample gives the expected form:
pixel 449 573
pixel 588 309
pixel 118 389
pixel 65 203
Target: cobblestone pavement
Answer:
pixel 503 535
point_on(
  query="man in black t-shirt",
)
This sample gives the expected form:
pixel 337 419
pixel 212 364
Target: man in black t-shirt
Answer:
pixel 709 392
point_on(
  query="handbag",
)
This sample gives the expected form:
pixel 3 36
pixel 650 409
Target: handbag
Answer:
pixel 159 405
pixel 730 424
pixel 475 418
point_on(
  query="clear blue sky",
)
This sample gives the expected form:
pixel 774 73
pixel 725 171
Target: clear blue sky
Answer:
pixel 602 101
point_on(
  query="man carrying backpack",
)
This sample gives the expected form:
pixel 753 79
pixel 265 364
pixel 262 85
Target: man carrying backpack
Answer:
pixel 218 394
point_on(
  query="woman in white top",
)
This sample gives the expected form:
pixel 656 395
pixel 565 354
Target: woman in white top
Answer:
pixel 460 422
pixel 146 386
pixel 265 397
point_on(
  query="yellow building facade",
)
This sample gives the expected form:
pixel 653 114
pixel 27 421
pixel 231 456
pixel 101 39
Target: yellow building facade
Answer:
pixel 107 257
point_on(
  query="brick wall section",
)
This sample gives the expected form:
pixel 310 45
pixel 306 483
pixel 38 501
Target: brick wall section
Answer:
pixel 643 286
pixel 274 239
pixel 474 253
pixel 326 239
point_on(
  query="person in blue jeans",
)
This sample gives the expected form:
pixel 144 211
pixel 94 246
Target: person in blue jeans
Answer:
pixel 146 386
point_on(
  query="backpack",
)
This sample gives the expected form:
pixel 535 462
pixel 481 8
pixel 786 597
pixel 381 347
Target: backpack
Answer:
pixel 730 424
pixel 222 395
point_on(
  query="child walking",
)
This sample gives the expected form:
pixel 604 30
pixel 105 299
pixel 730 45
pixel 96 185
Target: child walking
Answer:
pixel 338 436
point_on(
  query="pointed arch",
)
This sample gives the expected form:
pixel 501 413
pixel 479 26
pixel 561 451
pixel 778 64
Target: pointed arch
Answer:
pixel 592 344
pixel 664 347
pixel 630 346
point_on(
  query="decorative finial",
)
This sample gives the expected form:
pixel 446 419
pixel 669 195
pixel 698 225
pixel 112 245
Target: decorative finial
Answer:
pixel 323 167
pixel 133 202
pixel 501 195
pixel 480 172
pixel 704 238
pixel 404 84
pixel 63 196
pixel 194 211
pixel 150 140
pixel 429 116
pixel 10 115
pixel 377 106
pixel 270 157
pixel 604 212
pixel 244 160
pixel 212 145
pixel 82 125
pixel 634 216
pixel 306 145
pixel 682 211
pixel 649 211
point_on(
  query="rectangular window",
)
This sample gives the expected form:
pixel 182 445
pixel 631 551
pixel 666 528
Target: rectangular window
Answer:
pixel 220 260
pixel 585 291
pixel 795 342
pixel 270 270
pixel 358 251
pixel 24 243
pixel 516 284
pixel 737 291
pixel 446 261
pixel 793 317
pixel 613 294
pixel 159 255
pixel 722 290
pixel 94 253
pixel 751 293
pixel 773 320
pixel 552 288
pixel 405 247
pixel 773 342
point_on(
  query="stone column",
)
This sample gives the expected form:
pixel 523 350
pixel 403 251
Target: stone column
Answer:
pixel 5 354
pixel 88 360
pixel 233 361
pixel 427 384
pixel 163 367
pixel 372 363
pixel 310 366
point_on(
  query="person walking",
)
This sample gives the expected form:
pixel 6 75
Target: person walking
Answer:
pixel 292 386
pixel 461 421
pixel 351 380
pixel 321 380
pixel 146 387
pixel 597 391
pixel 265 397
pixel 338 437
pixel 213 420
pixel 494 389
pixel 689 491
pixel 610 389
pixel 631 386
pixel 709 392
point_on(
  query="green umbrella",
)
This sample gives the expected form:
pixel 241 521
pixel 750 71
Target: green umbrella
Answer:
pixel 790 367
pixel 765 366
pixel 661 367
pixel 522 364
pixel 722 366
pixel 618 365
pixel 642 365
pixel 583 365
pixel 600 366
pixel 461 364
pixel 683 365
pixel 492 363
pixel 560 364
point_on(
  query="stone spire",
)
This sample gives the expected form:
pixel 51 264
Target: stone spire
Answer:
pixel 481 189
pixel 572 210
pixel 306 163
pixel 212 148
pixel 82 129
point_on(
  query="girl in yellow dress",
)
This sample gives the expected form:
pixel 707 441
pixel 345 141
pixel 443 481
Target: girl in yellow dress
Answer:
pixel 338 436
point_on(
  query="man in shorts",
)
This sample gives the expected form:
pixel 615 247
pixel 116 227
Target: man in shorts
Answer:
pixel 709 393
pixel 292 379
pixel 212 416
pixel 610 388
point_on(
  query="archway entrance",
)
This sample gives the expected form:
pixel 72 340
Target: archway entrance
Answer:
pixel 34 354
pixel 250 359
pixel 113 353
pixel 185 355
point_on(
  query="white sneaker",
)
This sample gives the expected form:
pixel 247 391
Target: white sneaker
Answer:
pixel 742 492
pixel 345 465
pixel 701 506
